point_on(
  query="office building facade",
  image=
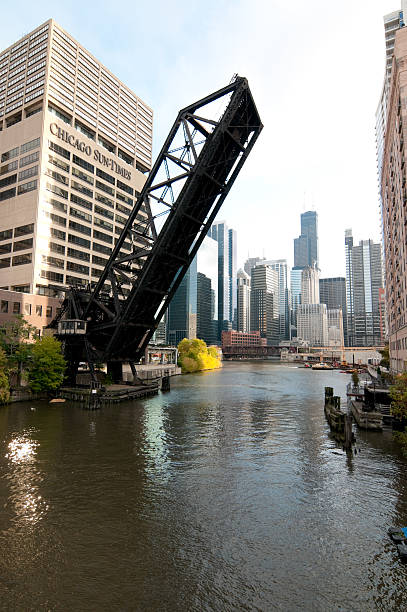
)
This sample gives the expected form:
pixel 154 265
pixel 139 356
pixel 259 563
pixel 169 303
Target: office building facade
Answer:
pixel 243 301
pixel 335 327
pixel 312 324
pixel 295 286
pixel 264 303
pixel 232 277
pixel 393 199
pixel 332 292
pixel 363 283
pixel 251 262
pixel 75 146
pixel 310 285
pixel 281 267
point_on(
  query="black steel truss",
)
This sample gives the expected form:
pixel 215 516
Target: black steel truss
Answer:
pixel 187 185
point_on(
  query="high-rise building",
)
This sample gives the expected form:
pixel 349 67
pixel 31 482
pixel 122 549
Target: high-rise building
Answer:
pixel 306 245
pixel 280 266
pixel 232 277
pixel 220 233
pixel 264 303
pixel 243 301
pixel 363 282
pixel 192 312
pixel 310 285
pixel 251 262
pixel 312 324
pixel 332 292
pixel 75 144
pixel 335 327
pixel 392 180
pixel 296 275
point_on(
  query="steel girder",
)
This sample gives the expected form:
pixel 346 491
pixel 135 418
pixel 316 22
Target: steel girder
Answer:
pixel 187 185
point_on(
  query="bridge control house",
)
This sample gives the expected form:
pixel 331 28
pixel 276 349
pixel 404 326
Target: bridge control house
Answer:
pixel 75 149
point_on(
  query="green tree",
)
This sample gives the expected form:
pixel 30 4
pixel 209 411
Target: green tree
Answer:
pixel 16 341
pixel 385 361
pixel 398 394
pixel 194 356
pixel 4 381
pixel 47 367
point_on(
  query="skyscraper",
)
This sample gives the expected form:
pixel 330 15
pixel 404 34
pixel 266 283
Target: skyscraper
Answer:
pixel 232 277
pixel 363 282
pixel 75 145
pixel 296 275
pixel 306 245
pixel 332 292
pixel 264 303
pixel 182 311
pixel 243 301
pixel 251 262
pixel 312 324
pixel 310 285
pixel 280 266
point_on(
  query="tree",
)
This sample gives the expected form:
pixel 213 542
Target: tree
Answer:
pixel 47 367
pixel 4 381
pixel 355 378
pixel 15 340
pixel 194 356
pixel 398 394
pixel 385 361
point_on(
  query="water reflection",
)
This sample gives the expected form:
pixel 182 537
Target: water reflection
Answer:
pixel 24 479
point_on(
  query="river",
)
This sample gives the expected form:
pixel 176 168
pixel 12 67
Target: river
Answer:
pixel 225 494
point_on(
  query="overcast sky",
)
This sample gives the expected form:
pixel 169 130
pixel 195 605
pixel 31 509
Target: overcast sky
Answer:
pixel 315 69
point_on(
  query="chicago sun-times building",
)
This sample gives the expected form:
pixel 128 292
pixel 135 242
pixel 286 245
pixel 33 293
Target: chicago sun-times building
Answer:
pixel 75 148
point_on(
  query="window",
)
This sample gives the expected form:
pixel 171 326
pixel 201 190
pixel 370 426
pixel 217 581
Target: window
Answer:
pixel 60 114
pixel 56 233
pixel 54 247
pixel 56 204
pixel 83 176
pixel 53 261
pixel 6 234
pixel 104 200
pixel 83 229
pixel 3 306
pixel 74 280
pixel 85 130
pixel 99 261
pixel 120 219
pixel 16 307
pixel 125 187
pixel 33 171
pixel 79 214
pixel 29 159
pixel 21 245
pixel 57 176
pixel 101 248
pixel 52 276
pixel 10 154
pixel 24 229
pixel 5 262
pixel 59 163
pixel 5 248
pixel 106 145
pixel 78 254
pixel 123 198
pixel 104 187
pixel 27 309
pixel 79 241
pixel 49 312
pixel 38 310
pixel 83 164
pixel 75 267
pixel 103 211
pixel 102 236
pixel 57 190
pixel 30 186
pixel 8 167
pixel 60 150
pixel 33 111
pixel 106 177
pixel 103 224
pixel 9 193
pixel 82 189
pixel 129 160
pixel 78 200
pixel 21 260
pixel 28 146
pixel 9 180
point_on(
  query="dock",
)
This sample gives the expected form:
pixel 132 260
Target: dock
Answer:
pixel 111 394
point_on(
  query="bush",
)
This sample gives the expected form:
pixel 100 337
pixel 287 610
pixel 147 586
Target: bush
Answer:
pixel 194 356
pixel 4 381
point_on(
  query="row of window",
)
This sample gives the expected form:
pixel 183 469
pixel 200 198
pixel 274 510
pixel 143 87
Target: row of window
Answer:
pixel 24 148
pixel 15 308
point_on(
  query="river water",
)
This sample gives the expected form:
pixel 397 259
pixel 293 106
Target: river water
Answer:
pixel 225 494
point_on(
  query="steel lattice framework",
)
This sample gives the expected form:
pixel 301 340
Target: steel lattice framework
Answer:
pixel 185 189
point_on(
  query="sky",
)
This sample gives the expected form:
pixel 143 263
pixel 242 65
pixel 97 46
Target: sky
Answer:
pixel 315 70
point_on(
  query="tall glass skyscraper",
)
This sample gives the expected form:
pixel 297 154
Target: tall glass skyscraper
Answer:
pixel 306 245
pixel 226 239
pixel 332 292
pixel 232 278
pixel 280 266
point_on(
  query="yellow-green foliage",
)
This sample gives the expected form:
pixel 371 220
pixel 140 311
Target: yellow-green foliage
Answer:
pixel 194 355
pixel 4 382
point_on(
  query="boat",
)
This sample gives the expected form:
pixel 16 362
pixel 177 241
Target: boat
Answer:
pixel 322 366
pixel 397 534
